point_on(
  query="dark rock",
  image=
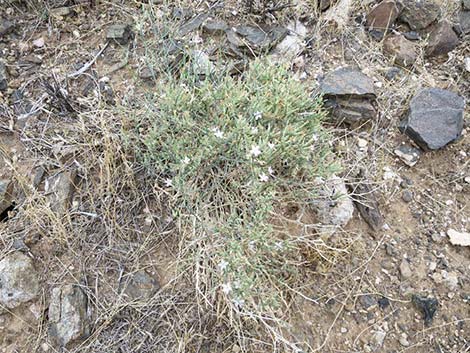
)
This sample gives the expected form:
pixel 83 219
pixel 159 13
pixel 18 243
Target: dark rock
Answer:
pixel 392 73
pixel 147 73
pixel 409 155
pixel 6 194
pixel 5 27
pixel 348 93
pixel 404 52
pixel 68 317
pixel 352 110
pixel 407 196
pixel 382 16
pixel 324 4
pixel 367 301
pixel 59 189
pixel 256 39
pixel 3 77
pixel 442 40
pixel 347 82
pixel 466 4
pixel 19 281
pixel 412 35
pixel 121 33
pixel 366 203
pixel 435 118
pixel 214 27
pixel 192 24
pixel 140 286
pixel 419 14
pixel 383 303
pixel 463 26
pixel 427 306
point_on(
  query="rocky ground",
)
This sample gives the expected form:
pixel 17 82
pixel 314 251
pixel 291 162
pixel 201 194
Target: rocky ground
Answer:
pixel 81 266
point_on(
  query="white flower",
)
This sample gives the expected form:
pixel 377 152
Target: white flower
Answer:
pixel 237 284
pixel 254 130
pixel 270 171
pixel 263 177
pixel 271 145
pixel 238 302
pixel 226 288
pixel 168 182
pixel 217 132
pixel 258 115
pixel 186 161
pixel 255 151
pixel 222 265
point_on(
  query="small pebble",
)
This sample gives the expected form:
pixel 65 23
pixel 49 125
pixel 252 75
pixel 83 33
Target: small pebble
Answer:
pixel 407 196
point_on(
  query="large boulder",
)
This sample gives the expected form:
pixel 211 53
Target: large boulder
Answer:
pixel 68 317
pixel 419 14
pixel 19 281
pixel 435 118
pixel 349 94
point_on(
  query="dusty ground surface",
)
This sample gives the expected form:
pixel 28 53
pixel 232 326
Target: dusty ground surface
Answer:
pixel 361 303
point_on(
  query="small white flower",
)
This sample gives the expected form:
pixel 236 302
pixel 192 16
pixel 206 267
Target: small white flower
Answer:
pixel 252 245
pixel 270 171
pixel 222 265
pixel 226 288
pixel 271 145
pixel 254 130
pixel 255 151
pixel 239 303
pixel 237 284
pixel 168 182
pixel 186 161
pixel 315 137
pixel 258 115
pixel 279 245
pixel 217 132
pixel 263 177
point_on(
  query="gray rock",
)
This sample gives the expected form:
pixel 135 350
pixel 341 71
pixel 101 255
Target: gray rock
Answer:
pixel 407 196
pixel 442 39
pixel 19 281
pixel 201 64
pixel 409 155
pixel 405 270
pixel 121 33
pixel 403 51
pixel 324 4
pixel 412 35
pixel 5 27
pixel 393 72
pixel 3 77
pixel 435 118
pixel 68 317
pixel 367 301
pixel 256 39
pixel 6 194
pixel 140 286
pixel 349 93
pixel 466 4
pixel 192 24
pixel 463 26
pixel 382 16
pixel 419 14
pixel 61 11
pixel 59 190
pixel 334 207
pixel 214 27
pixel 366 202
pixel 347 82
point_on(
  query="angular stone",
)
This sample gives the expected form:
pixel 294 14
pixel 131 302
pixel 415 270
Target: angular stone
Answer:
pixel 409 155
pixel 428 307
pixel 352 111
pixel 256 39
pixel 201 64
pixel 6 194
pixel 463 26
pixel 442 40
pixel 404 52
pixel 19 281
pixel 419 14
pixel 347 82
pixel 382 16
pixel 366 203
pixel 141 286
pixel 121 33
pixel 192 24
pixel 214 27
pixel 293 44
pixel 3 77
pixel 59 190
pixel 435 118
pixel 5 27
pixel 68 317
